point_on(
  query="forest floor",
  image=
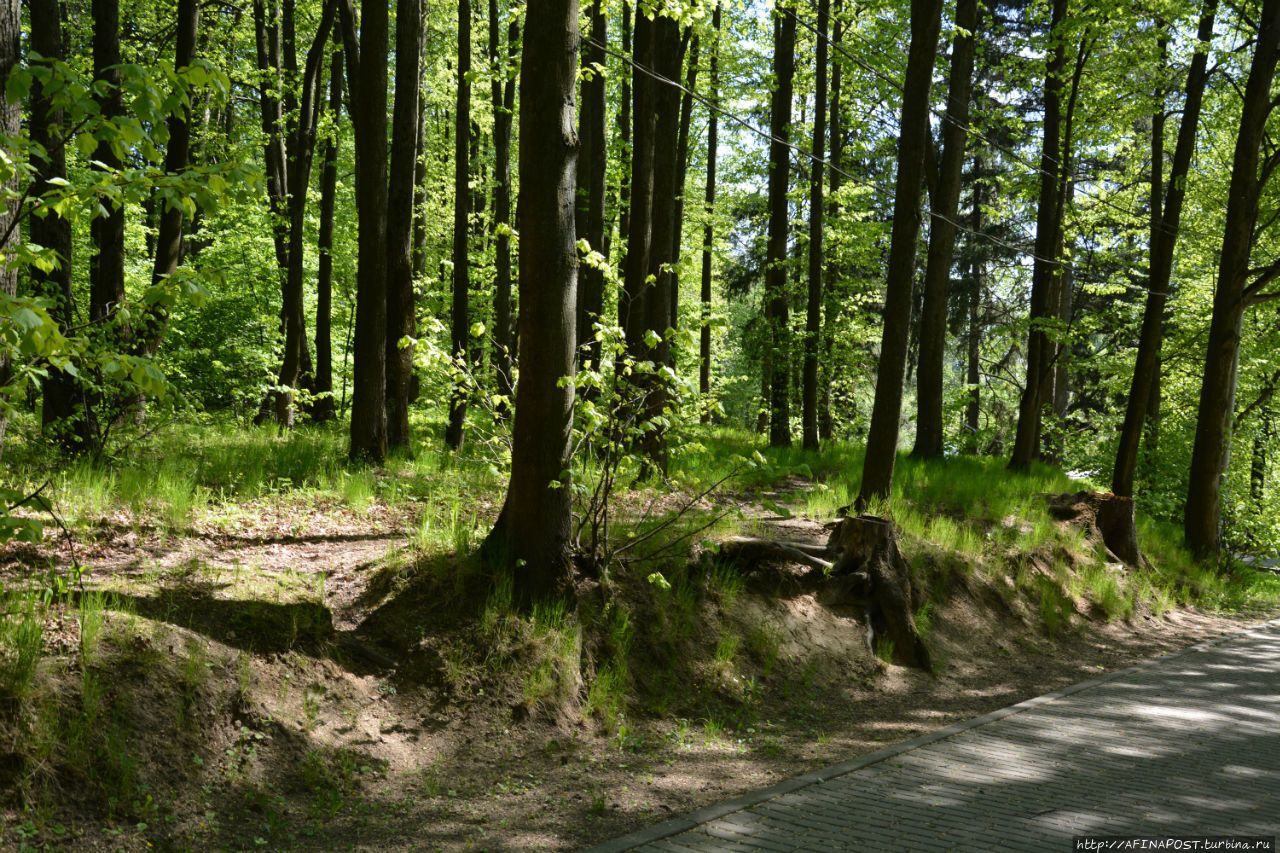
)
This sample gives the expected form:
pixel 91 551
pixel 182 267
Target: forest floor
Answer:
pixel 285 674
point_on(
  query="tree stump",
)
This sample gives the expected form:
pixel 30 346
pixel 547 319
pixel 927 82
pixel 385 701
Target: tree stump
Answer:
pixel 869 544
pixel 1108 518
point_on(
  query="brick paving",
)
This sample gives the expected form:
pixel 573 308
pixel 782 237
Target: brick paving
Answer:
pixel 1186 744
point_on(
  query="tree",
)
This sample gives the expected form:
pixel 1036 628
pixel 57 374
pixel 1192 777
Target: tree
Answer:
pixel 53 231
pixel 503 93
pixel 460 323
pixel 325 408
pixel 813 314
pixel 1166 215
pixel 1232 294
pixel 532 533
pixel 299 149
pixel 942 236
pixel 366 47
pixel 882 440
pixel 709 202
pixel 10 126
pixel 106 270
pixel 401 320
pixel 592 160
pixel 784 67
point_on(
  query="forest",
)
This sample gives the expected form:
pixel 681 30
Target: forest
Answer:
pixel 559 350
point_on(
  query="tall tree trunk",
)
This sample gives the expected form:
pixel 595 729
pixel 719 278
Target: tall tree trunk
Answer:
pixel 627 148
pixel 106 271
pixel 267 31
pixel 460 325
pixel 942 236
pixel 300 149
pixel 401 319
pixel 640 187
pixel 58 410
pixel 826 423
pixel 775 282
pixel 882 440
pixel 10 125
pixel 668 57
pixel 813 314
pixel 1211 453
pixel 682 170
pixel 592 160
pixel 325 408
pixel 708 233
pixel 1262 440
pixel 533 529
pixel 1165 217
pixel 504 98
pixel 1046 265
pixel 367 69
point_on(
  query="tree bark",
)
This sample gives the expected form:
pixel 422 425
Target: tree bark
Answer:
pixel 1165 215
pixel 48 129
pixel 401 319
pixel 106 270
pixel 367 70
pixel 813 313
pixel 826 422
pixel 882 440
pixel 682 171
pixel 460 325
pixel 708 233
pixel 11 126
pixel 942 237
pixel 592 160
pixel 1046 264
pixel 325 407
pixel 1211 453
pixel 775 282
pixel 532 534
pixel 504 96
pixel 973 342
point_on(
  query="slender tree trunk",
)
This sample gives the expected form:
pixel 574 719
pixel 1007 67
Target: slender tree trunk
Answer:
pixel 682 170
pixel 58 411
pixel 826 423
pixel 300 149
pixel 592 160
pixel 1165 218
pixel 813 314
pixel 106 271
pixel 533 529
pixel 776 312
pixel 401 320
pixel 367 69
pixel 1211 453
pixel 504 99
pixel 882 440
pixel 460 327
pixel 267 32
pixel 325 409
pixel 942 236
pixel 10 125
pixel 1262 440
pixel 708 234
pixel 1045 267
pixel 625 107
pixel 640 187
pixel 668 55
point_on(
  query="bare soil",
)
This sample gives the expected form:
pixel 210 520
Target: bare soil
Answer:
pixel 342 697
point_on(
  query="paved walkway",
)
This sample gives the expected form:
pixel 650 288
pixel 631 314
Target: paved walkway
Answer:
pixel 1187 744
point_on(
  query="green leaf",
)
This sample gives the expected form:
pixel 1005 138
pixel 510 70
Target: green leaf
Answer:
pixel 86 144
